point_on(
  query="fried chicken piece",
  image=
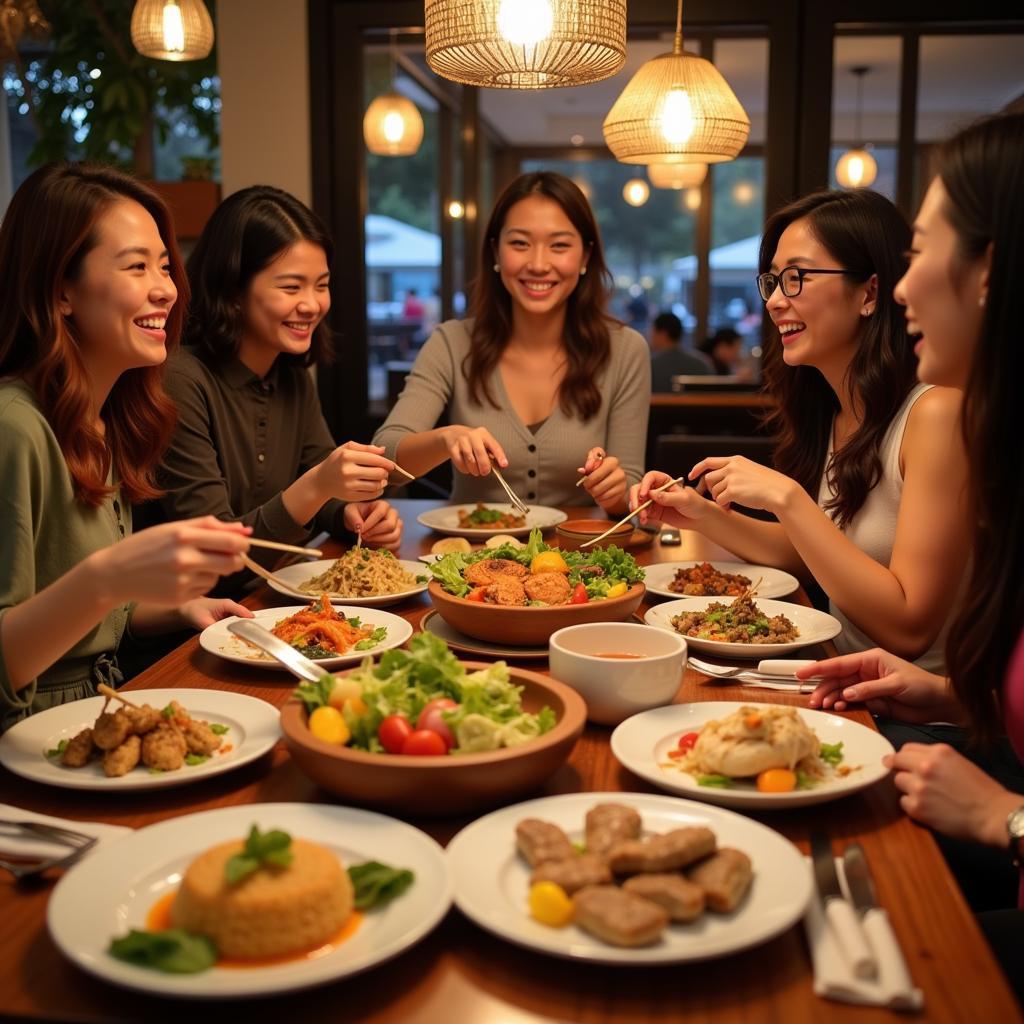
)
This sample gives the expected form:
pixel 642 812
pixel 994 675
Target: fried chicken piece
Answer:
pixel 200 738
pixel 608 824
pixel 667 852
pixel 618 917
pixel 683 899
pixel 142 719
pixel 164 748
pixel 122 759
pixel 724 877
pixel 549 587
pixel 505 590
pixel 109 730
pixel 539 841
pixel 490 570
pixel 79 750
pixel 574 872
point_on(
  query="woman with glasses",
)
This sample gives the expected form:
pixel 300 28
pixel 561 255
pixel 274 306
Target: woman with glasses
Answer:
pixel 541 379
pixel 962 299
pixel 91 297
pixel 868 490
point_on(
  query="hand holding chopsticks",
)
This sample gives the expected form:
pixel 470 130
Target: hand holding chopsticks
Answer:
pixel 639 508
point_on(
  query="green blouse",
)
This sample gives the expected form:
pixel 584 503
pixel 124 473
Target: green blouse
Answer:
pixel 44 532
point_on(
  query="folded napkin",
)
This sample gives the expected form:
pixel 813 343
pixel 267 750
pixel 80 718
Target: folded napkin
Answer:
pixel 18 844
pixel 833 975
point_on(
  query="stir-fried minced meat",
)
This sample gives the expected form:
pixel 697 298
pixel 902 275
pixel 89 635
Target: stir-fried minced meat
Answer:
pixel 505 590
pixel 704 580
pixel 548 587
pixel 488 570
pixel 741 622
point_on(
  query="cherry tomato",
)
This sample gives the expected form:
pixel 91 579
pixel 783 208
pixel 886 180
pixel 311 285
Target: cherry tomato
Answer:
pixel 393 732
pixel 476 594
pixel 423 741
pixel 687 740
pixel 431 718
pixel 579 594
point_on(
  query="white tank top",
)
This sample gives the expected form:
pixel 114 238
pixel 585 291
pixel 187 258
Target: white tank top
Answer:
pixel 873 529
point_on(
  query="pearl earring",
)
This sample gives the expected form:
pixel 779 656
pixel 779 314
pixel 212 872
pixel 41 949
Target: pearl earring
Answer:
pixel 981 301
pixel 583 270
pixel 496 268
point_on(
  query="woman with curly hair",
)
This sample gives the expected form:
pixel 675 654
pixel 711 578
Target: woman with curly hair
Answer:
pixel 868 488
pixel 540 379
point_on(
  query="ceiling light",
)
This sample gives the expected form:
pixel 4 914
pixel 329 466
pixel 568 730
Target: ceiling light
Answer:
pixel 636 192
pixel 392 125
pixel 676 109
pixel 676 176
pixel 525 44
pixel 172 29
pixel 856 167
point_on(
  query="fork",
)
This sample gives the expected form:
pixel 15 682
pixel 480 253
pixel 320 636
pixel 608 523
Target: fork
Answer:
pixel 79 843
pixel 517 502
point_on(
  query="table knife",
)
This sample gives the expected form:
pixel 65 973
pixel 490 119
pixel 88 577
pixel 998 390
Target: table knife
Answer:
pixel 296 663
pixel 839 911
pixel 875 921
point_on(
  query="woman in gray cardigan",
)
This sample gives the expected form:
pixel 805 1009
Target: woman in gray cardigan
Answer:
pixel 540 379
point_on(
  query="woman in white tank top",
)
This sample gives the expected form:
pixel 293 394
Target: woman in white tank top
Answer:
pixel 869 489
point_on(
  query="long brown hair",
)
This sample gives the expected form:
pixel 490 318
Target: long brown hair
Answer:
pixel 587 334
pixel 866 235
pixel 981 170
pixel 48 229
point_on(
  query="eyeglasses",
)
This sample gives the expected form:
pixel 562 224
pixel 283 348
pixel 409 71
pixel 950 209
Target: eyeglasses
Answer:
pixel 791 280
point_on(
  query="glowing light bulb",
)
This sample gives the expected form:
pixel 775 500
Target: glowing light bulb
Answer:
pixel 856 169
pixel 691 199
pixel 456 210
pixel 393 126
pixel 677 121
pixel 525 22
pixel 174 29
pixel 636 192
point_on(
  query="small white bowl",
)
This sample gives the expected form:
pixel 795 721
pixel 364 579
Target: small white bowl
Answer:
pixel 615 688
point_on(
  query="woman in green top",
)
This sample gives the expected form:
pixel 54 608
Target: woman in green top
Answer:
pixel 89 281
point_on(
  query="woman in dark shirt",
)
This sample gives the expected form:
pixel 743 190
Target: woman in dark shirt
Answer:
pixel 251 442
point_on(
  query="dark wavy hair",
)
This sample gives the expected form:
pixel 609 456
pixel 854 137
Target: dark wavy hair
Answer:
pixel 866 235
pixel 981 169
pixel 587 323
pixel 246 233
pixel 49 228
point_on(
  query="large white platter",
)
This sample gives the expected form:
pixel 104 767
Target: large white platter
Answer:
pixel 642 743
pixel 492 879
pixel 253 728
pixel 113 889
pixel 774 582
pixel 446 520
pixel 217 639
pixel 814 627
pixel 294 575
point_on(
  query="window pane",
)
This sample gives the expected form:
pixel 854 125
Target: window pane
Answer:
pixel 403 241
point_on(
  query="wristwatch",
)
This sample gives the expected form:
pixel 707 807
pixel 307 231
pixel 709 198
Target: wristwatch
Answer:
pixel 1015 832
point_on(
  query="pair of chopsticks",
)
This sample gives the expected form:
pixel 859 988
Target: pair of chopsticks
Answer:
pixel 517 502
pixel 639 508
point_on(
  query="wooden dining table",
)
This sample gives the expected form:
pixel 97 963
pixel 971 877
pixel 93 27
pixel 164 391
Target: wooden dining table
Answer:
pixel 461 974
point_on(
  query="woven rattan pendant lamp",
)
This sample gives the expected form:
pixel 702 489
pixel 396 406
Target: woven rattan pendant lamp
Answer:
pixel 392 125
pixel 677 109
pixel 525 44
pixel 857 167
pixel 172 29
pixel 676 176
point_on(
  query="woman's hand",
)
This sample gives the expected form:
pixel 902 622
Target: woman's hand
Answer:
pixel 677 506
pixel 946 792
pixel 205 611
pixel 168 565
pixel 737 480
pixel 472 448
pixel 605 479
pixel 376 522
pixel 888 686
pixel 354 472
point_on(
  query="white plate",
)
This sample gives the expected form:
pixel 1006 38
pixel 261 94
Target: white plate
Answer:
pixel 446 520
pixel 491 880
pixel 642 743
pixel 814 627
pixel 297 574
pixel 253 728
pixel 113 889
pixel 218 640
pixel 774 582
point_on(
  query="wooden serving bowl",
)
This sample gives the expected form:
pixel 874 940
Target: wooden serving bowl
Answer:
pixel 444 785
pixel 572 534
pixel 526 626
